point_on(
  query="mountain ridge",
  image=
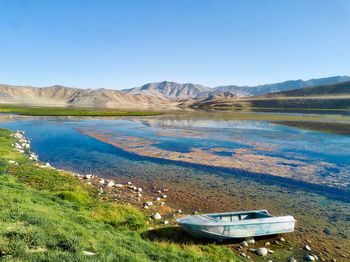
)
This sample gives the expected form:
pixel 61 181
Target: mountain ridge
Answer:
pixel 58 95
pixel 173 90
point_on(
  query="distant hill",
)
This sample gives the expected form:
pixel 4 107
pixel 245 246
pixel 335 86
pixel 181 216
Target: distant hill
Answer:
pixel 327 96
pixel 169 90
pixel 89 98
pixel 172 90
pixel 245 91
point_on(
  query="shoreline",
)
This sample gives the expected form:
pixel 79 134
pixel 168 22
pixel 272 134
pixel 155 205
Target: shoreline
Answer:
pixel 153 202
pixel 131 194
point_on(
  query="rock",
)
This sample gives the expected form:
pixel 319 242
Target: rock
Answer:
pixel 282 239
pixel 118 185
pixel 252 250
pixel 131 187
pixel 157 199
pixel 157 216
pixel 250 240
pixel 262 251
pixel 12 161
pixel 310 258
pixel 270 251
pixel 88 253
pixel 87 176
pixel 166 222
pixel 267 243
pixel 139 195
pixel 292 259
pixel 145 207
pixel 244 243
pixel 129 183
pixel 164 196
pixel 159 192
pixel 161 203
pixel 102 181
pixel 179 211
pixel 243 255
pixel 139 189
pixel 269 260
pixel 148 203
pixel 110 183
pixel 308 248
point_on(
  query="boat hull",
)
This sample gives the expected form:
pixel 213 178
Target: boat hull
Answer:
pixel 238 231
pixel 236 224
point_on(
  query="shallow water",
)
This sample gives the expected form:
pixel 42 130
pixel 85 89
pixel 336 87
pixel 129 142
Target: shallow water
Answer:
pixel 258 164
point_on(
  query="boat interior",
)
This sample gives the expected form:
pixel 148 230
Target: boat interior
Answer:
pixel 231 217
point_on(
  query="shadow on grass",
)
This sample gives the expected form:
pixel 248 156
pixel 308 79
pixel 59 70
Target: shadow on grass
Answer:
pixel 177 235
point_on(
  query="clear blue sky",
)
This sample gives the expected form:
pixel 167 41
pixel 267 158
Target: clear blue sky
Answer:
pixel 126 43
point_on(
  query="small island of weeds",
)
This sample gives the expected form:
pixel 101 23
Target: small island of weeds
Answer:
pixel 50 215
pixel 62 111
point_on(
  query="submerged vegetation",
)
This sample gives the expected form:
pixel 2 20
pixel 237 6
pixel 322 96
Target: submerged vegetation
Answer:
pixel 54 111
pixel 46 214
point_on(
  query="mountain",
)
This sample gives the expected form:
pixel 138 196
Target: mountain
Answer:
pixel 172 90
pixel 89 98
pixel 169 90
pixel 327 96
pixel 245 91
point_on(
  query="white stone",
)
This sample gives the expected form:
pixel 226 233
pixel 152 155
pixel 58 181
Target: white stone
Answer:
pixel 306 247
pixel 162 203
pixel 129 183
pixel 310 258
pixel 179 211
pixel 157 199
pixel 282 239
pixel 145 207
pixel 250 240
pixel 110 183
pixel 139 195
pixel 118 185
pixel 166 222
pixel 157 216
pixel 267 243
pixel 292 259
pixel 270 251
pixel 139 189
pixel 244 243
pixel 88 253
pixel 148 203
pixel 164 196
pixel 262 251
pixel 88 176
pixel 102 181
pixel 12 161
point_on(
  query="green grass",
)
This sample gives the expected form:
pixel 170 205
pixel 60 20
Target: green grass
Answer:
pixel 50 111
pixel 49 215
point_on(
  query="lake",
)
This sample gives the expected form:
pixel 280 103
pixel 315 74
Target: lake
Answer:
pixel 214 163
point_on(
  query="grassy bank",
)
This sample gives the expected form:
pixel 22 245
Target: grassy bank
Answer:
pixel 50 111
pixel 49 215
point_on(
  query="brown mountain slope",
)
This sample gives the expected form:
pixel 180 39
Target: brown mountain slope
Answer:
pixel 67 96
pixel 169 90
pixel 328 96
